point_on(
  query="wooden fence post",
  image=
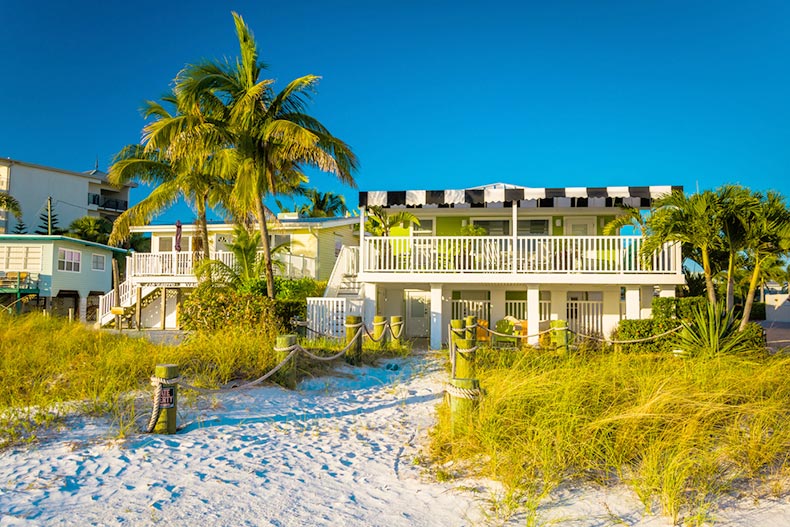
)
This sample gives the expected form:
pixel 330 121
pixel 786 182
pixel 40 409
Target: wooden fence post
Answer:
pixel 288 371
pixel 354 353
pixel 379 325
pixel 396 325
pixel 559 335
pixel 168 397
pixel 464 390
pixel 471 327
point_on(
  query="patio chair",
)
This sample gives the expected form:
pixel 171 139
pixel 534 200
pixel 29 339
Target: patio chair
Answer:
pixel 482 331
pixel 506 327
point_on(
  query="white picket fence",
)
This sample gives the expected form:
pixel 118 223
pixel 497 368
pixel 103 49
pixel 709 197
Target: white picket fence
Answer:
pixel 327 315
pixel 585 317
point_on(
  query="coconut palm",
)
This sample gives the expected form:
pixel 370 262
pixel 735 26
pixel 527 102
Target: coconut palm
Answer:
pixel 767 236
pixel 187 176
pixel 694 220
pixel 10 204
pixel 261 138
pixel 323 204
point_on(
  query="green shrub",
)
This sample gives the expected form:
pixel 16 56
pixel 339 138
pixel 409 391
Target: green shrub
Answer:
pixel 298 288
pixel 676 307
pixel 644 329
pixel 211 308
pixel 713 331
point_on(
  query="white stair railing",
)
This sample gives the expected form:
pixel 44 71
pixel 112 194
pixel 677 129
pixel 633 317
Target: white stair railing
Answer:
pixel 347 264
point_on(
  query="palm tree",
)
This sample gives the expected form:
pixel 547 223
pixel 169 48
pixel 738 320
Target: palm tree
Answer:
pixel 91 229
pixel 737 204
pixel 767 236
pixel 10 204
pixel 323 204
pixel 694 220
pixel 631 216
pixel 188 176
pixel 261 138
pixel 379 223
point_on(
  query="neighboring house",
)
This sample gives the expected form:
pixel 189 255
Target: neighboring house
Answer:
pixel 63 273
pixel 542 257
pixel 74 194
pixel 159 279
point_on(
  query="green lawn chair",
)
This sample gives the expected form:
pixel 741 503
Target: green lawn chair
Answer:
pixel 506 327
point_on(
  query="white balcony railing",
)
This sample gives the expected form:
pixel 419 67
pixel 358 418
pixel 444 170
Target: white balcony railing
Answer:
pixel 182 264
pixel 505 254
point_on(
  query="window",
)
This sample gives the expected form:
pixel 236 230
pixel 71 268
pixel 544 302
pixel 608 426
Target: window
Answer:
pixel 533 227
pixel 97 262
pixel 281 239
pixel 68 260
pixel 425 228
pixel 494 227
pixel 165 244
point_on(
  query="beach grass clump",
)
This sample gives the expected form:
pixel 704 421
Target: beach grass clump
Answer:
pixel 680 432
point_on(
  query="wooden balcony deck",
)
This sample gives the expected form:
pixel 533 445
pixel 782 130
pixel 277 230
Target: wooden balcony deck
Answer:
pixel 508 258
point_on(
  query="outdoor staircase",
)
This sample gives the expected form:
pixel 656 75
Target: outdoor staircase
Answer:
pixel 148 295
pixel 343 280
pixel 349 286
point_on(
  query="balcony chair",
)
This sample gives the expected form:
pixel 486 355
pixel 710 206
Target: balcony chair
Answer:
pixel 481 332
pixel 504 326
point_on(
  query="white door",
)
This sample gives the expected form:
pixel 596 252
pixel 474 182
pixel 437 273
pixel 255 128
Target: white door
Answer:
pixel 418 313
pixel 579 226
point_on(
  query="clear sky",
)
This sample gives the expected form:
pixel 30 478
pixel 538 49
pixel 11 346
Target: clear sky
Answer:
pixel 433 95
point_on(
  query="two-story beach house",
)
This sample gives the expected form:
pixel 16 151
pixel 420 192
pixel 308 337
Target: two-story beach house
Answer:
pixel 157 281
pixel 71 194
pixel 56 273
pixel 536 254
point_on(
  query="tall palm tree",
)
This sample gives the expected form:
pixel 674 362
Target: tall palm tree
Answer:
pixel 767 236
pixel 737 204
pixel 261 138
pixel 186 176
pixel 694 220
pixel 323 204
pixel 9 203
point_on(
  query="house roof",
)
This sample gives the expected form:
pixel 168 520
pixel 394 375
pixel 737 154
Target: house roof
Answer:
pixel 97 175
pixel 282 223
pixel 503 194
pixel 40 238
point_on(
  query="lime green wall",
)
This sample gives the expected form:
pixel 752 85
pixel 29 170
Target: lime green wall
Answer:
pixel 449 226
pixel 555 229
pixel 399 231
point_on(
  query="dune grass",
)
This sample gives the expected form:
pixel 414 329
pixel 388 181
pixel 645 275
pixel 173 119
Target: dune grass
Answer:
pixel 680 432
pixel 50 367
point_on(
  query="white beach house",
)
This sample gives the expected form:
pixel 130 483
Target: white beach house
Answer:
pixel 539 254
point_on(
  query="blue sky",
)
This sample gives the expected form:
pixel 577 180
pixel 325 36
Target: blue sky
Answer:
pixel 433 94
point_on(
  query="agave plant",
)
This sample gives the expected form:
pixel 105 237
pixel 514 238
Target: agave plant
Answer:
pixel 711 331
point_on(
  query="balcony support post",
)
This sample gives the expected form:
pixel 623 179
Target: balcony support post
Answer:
pixel 362 249
pixel 437 316
pixel 533 314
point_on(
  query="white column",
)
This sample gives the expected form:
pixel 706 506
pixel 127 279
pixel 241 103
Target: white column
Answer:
pixel 667 291
pixel 437 331
pixel 633 303
pixel 83 308
pixel 514 237
pixel 533 313
pixel 497 307
pixel 368 303
pixel 361 264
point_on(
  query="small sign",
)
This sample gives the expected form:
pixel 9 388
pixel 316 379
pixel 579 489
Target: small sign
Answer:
pixel 116 310
pixel 167 397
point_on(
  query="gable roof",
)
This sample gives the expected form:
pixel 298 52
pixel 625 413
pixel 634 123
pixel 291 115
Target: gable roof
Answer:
pixel 504 195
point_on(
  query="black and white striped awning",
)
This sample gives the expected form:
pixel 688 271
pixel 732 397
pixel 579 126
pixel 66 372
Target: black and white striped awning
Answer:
pixel 506 195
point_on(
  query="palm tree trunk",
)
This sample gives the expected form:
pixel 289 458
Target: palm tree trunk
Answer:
pixel 267 253
pixel 202 205
pixel 708 276
pixel 731 282
pixel 749 300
